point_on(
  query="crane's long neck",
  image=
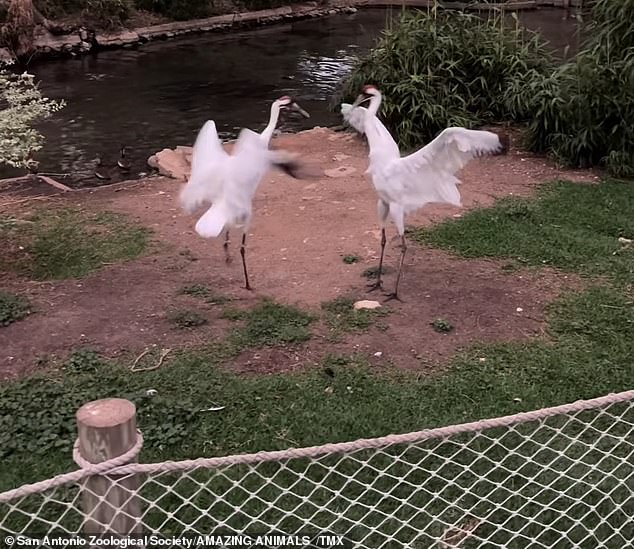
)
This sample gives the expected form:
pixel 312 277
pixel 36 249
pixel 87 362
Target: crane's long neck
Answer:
pixel 375 103
pixel 372 131
pixel 267 133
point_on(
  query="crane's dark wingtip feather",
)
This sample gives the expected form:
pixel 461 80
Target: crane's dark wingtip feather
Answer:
pixel 290 167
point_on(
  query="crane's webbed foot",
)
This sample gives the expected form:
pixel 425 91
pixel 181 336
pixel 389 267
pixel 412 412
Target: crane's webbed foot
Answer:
pixel 390 297
pixel 378 285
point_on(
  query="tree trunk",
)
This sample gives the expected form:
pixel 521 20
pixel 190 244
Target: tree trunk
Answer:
pixel 18 31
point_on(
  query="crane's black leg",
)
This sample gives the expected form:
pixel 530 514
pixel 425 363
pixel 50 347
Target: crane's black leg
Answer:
pixel 244 263
pixel 394 295
pixel 226 247
pixel 379 283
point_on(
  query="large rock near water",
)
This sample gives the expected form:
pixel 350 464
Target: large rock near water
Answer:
pixel 174 163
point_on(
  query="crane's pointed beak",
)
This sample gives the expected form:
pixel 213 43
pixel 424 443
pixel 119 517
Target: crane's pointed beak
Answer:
pixel 361 98
pixel 300 110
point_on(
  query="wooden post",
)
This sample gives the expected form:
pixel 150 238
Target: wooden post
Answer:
pixel 107 429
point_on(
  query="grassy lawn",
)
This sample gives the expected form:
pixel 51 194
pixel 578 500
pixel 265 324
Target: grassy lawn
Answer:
pixel 570 226
pixel 588 353
pixel 54 244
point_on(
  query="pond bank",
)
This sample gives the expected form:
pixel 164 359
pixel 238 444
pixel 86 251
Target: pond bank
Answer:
pixel 86 40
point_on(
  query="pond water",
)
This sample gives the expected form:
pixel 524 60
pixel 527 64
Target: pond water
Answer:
pixel 160 94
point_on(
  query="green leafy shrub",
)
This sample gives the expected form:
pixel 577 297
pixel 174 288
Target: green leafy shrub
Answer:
pixel 108 14
pixel 177 9
pixel 22 107
pixel 582 113
pixel 447 69
pixel 103 14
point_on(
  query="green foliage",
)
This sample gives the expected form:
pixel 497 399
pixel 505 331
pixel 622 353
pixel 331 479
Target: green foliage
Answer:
pixel 341 316
pixel 113 13
pixel 13 308
pixel 186 319
pixel 71 243
pixel 269 324
pixel 591 344
pixel 177 9
pixel 202 292
pixel 441 325
pixel 349 259
pixel 582 112
pixel 22 107
pixel 83 361
pixel 442 69
pixel 107 14
pixel 571 226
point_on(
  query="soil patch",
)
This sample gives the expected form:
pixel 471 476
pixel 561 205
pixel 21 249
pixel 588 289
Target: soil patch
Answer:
pixel 301 231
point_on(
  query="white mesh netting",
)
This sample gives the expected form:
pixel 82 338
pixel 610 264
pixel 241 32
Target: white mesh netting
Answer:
pixel 557 478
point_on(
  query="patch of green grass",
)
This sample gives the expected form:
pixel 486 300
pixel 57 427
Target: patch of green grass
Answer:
pixel 342 317
pixel 202 292
pixel 13 308
pixel 196 290
pixel 84 360
pixel 441 325
pixel 72 243
pixel 571 226
pixel 186 319
pixel 233 313
pixel 37 423
pixel 270 324
pixel 349 259
pixel 587 355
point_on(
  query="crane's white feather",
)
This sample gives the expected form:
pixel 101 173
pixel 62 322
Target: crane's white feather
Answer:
pixel 453 149
pixel 354 116
pixel 228 182
pixel 383 148
pixel 429 174
pixel 205 180
pixel 425 176
pixel 214 220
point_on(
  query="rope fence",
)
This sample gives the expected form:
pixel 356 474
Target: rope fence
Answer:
pixel 560 477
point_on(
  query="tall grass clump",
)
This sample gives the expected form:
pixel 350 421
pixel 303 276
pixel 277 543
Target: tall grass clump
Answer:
pixel 583 113
pixel 440 69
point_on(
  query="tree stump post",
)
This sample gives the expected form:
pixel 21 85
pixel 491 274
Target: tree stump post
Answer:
pixel 107 429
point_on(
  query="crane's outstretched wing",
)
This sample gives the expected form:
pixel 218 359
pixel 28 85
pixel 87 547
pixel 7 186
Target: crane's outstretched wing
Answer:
pixel 254 158
pixel 354 116
pixel 243 171
pixel 205 181
pixel 453 149
pixel 429 174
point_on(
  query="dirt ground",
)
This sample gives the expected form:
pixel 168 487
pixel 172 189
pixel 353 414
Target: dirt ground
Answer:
pixel 301 231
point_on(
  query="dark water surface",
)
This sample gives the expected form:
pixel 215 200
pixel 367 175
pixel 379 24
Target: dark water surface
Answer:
pixel 160 94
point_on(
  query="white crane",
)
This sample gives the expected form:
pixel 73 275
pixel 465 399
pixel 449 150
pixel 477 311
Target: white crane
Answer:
pixel 229 182
pixel 405 184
